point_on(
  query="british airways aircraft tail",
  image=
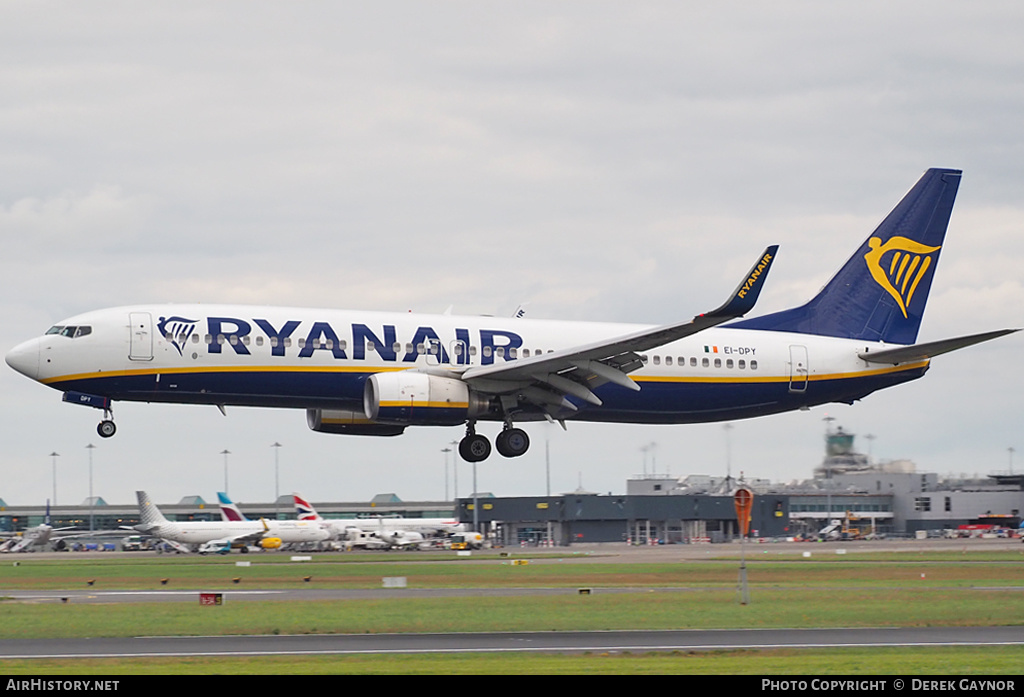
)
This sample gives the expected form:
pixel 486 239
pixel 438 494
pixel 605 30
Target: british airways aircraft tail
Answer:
pixel 881 291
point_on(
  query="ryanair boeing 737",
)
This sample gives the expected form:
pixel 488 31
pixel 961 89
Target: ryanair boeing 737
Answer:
pixel 373 373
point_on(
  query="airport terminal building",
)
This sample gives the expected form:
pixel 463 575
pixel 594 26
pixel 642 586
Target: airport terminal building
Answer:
pixel 586 517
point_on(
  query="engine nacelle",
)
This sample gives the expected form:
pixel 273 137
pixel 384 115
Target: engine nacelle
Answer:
pixel 413 398
pixel 353 423
pixel 270 543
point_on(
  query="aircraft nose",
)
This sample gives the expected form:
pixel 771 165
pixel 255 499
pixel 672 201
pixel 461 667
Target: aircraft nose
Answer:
pixel 25 358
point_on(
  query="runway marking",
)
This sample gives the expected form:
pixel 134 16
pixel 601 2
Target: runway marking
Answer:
pixel 549 649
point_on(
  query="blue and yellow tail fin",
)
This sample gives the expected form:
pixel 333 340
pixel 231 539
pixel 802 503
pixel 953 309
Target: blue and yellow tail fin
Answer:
pixel 881 291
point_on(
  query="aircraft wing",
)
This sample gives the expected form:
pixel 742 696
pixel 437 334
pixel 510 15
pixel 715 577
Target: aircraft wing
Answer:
pixel 920 352
pixel 549 378
pixel 250 536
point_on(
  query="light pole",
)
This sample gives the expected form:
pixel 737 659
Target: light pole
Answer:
pixel 277 479
pixel 446 451
pixel 90 448
pixel 455 470
pixel 476 512
pixel 225 452
pixel 53 457
pixel 828 471
pixel 728 456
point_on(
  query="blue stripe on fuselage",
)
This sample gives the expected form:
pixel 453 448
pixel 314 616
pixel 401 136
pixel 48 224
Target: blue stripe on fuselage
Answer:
pixel 668 401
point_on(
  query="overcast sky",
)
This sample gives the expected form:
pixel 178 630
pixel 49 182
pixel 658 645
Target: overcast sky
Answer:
pixel 598 161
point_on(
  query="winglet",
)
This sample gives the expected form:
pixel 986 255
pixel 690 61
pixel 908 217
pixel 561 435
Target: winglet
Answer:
pixel 743 298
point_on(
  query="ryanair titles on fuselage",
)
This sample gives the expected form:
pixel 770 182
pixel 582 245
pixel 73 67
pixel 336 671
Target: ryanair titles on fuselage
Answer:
pixel 225 334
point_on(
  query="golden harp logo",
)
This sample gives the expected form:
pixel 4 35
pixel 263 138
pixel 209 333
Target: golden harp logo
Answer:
pixel 903 270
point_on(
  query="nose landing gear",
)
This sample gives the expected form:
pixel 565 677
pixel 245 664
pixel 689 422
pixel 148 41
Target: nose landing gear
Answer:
pixel 106 428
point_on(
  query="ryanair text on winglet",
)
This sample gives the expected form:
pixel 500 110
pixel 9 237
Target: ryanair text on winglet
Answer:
pixel 749 284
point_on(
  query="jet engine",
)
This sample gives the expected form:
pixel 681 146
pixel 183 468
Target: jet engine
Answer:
pixel 270 543
pixel 348 422
pixel 410 397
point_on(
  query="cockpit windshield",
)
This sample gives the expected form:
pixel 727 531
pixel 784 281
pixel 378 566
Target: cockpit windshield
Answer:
pixel 71 332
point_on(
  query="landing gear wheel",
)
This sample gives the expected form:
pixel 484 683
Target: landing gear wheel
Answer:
pixel 106 429
pixel 474 448
pixel 512 442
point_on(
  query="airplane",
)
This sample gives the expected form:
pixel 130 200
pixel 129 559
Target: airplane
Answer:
pixel 373 373
pixel 288 531
pixel 188 533
pixel 38 536
pixel 394 531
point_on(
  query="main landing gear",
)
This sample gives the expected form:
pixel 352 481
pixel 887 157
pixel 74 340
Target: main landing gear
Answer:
pixel 511 442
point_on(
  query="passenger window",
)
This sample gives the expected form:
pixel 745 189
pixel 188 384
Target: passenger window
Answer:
pixel 657 360
pixel 472 350
pixel 302 343
pixel 396 347
pixel 259 341
pixel 526 353
pixel 742 364
pixel 728 363
pixel 668 360
pixel 693 361
pixel 718 362
pixel 753 365
pixel 499 351
pixel 487 351
pixel 643 358
pixel 273 342
pixel 705 362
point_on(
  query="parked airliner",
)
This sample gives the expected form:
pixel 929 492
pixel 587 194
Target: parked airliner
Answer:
pixel 396 531
pixel 373 373
pixel 232 533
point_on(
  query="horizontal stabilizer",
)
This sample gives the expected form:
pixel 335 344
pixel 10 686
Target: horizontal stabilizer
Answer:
pixel 920 352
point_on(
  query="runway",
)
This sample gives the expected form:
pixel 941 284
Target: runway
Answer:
pixel 564 642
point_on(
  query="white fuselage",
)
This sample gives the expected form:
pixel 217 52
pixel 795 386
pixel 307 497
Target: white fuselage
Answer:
pixel 321 359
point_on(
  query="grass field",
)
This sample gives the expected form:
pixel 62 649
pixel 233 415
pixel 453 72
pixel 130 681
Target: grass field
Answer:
pixel 941 589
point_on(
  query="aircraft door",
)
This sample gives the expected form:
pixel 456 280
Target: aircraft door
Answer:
pixel 435 352
pixel 459 353
pixel 798 369
pixel 140 324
